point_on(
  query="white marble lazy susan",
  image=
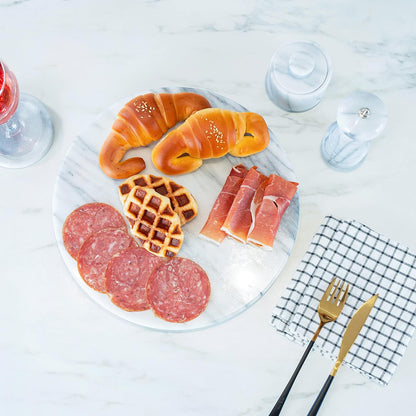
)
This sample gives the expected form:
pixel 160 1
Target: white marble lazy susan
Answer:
pixel 239 274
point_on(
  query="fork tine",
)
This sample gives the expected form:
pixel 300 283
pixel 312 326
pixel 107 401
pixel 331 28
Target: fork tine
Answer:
pixel 337 299
pixel 344 296
pixel 335 291
pixel 329 289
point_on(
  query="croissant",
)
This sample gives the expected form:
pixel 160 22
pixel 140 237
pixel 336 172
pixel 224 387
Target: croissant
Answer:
pixel 210 133
pixel 141 121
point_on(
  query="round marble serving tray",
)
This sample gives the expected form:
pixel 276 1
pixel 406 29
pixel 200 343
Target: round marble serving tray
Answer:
pixel 239 274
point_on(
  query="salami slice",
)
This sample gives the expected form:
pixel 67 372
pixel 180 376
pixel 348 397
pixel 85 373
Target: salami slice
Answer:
pixel 126 277
pixel 178 290
pixel 86 220
pixel 96 253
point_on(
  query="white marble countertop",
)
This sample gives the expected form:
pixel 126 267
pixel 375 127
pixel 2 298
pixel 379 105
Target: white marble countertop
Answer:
pixel 62 354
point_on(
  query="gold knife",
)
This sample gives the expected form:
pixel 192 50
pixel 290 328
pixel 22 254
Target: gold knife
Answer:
pixel 353 329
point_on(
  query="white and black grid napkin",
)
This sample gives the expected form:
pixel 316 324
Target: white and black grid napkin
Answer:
pixel 371 263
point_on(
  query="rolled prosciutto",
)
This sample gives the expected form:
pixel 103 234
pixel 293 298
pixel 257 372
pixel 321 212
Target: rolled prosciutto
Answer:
pixel 239 218
pixel 212 228
pixel 267 215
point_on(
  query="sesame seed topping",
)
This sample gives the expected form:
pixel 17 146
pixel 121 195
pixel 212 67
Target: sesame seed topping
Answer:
pixel 215 134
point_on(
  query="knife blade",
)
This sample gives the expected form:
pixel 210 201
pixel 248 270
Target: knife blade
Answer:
pixel 353 329
pixel 350 335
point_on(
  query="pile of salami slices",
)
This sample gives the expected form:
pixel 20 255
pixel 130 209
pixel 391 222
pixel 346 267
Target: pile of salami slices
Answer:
pixel 111 261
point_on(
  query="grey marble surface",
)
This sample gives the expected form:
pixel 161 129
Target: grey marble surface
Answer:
pixel 62 354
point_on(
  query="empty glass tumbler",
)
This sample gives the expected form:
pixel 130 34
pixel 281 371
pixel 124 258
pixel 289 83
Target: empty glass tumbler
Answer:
pixel 298 76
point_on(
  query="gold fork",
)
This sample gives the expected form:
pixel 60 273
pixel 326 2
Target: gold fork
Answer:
pixel 330 307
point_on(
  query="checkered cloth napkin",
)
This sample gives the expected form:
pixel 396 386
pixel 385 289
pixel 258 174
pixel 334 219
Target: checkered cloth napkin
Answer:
pixel 371 263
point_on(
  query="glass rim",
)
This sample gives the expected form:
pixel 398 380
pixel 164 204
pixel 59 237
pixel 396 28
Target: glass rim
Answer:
pixel 328 73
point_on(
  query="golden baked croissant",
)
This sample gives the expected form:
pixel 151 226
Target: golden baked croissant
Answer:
pixel 210 133
pixel 141 121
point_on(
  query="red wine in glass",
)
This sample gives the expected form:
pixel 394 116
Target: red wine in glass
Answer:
pixel 26 129
pixel 9 95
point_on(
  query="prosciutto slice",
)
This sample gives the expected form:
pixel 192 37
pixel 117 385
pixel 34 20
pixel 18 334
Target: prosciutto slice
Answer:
pixel 212 228
pixel 267 215
pixel 239 218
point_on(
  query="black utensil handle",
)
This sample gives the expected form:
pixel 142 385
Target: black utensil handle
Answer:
pixel 281 401
pixel 321 397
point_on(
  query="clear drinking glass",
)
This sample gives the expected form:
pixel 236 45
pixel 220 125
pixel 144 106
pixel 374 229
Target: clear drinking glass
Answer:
pixel 26 129
pixel 361 117
pixel 298 76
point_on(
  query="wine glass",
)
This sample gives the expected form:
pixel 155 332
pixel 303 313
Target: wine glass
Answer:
pixel 361 117
pixel 26 129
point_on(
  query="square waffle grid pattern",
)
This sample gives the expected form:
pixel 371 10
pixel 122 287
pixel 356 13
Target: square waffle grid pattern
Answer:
pixel 153 221
pixel 371 263
pixel 182 201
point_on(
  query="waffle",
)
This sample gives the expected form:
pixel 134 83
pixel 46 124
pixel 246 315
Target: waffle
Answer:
pixel 181 200
pixel 153 221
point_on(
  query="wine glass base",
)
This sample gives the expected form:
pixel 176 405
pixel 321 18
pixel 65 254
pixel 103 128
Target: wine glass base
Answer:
pixel 27 136
pixel 341 152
